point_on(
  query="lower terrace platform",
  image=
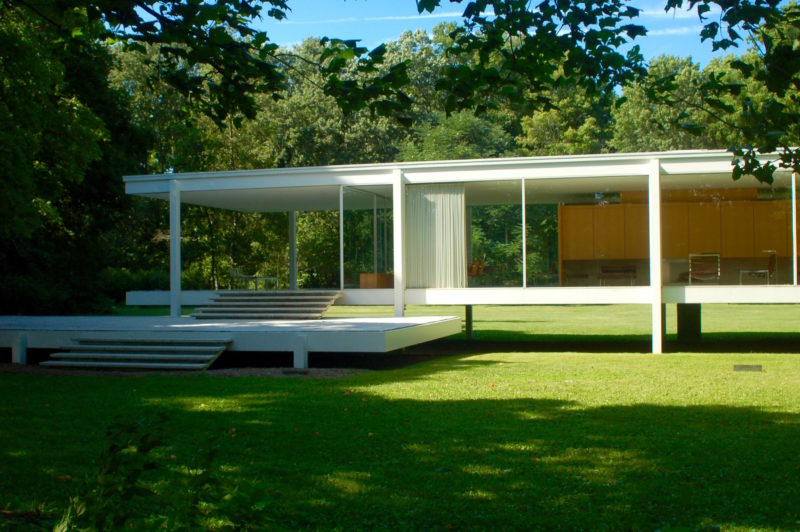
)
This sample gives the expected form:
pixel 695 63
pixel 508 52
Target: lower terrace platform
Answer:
pixel 336 335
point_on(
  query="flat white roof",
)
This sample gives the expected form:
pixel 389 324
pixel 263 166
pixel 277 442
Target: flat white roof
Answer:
pixel 317 188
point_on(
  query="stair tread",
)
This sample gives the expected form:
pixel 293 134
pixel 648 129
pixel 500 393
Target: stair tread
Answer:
pixel 268 305
pixel 264 308
pixel 255 316
pixel 134 348
pixel 148 341
pixel 251 302
pixel 134 356
pixel 122 365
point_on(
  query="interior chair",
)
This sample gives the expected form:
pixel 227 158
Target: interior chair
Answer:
pixel 768 273
pixel 704 268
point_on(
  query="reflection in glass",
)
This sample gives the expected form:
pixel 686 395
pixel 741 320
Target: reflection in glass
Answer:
pixel 494 218
pixel 368 237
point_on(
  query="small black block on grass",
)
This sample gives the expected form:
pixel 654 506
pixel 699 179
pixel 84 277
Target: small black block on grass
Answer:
pixel 295 372
pixel 747 367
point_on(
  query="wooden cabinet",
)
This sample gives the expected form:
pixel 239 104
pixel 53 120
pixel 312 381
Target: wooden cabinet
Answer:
pixel 704 228
pixel 675 230
pixel 736 220
pixel 609 231
pixel 576 234
pixel 637 231
pixel 735 229
pixel 772 227
pixel 376 280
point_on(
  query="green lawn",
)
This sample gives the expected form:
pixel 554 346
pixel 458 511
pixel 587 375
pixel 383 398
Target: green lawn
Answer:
pixel 495 440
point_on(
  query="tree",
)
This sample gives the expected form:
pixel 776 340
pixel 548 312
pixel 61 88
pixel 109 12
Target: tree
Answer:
pixel 461 135
pixel 576 124
pixel 646 123
pixel 521 47
pixel 66 139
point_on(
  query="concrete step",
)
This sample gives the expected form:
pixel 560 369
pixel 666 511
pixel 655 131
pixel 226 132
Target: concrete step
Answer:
pixel 134 356
pixel 136 353
pixel 275 305
pixel 149 348
pixel 285 294
pixel 262 308
pixel 123 365
pixel 221 342
pixel 255 316
pixel 270 300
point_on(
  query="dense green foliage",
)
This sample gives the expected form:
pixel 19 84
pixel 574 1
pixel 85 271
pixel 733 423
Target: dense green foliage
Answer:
pixel 89 93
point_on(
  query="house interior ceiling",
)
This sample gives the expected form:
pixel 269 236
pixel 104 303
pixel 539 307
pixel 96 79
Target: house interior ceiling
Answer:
pixel 556 190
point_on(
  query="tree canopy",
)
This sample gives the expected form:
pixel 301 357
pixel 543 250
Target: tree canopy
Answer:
pixel 89 92
pixel 518 46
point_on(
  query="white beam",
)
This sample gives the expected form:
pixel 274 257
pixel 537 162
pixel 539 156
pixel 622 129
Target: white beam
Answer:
pixel 174 248
pixel 398 221
pixel 654 222
pixel 292 250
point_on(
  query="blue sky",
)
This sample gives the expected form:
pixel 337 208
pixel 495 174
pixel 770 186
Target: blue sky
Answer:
pixel 377 21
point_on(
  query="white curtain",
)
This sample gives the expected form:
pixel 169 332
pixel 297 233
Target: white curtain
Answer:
pixel 436 236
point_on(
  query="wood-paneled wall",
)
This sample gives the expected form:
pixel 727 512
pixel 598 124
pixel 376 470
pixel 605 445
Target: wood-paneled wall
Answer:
pixel 734 228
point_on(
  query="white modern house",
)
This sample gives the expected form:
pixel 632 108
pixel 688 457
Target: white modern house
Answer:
pixel 644 228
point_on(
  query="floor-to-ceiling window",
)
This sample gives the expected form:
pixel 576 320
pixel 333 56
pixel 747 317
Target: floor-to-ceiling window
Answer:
pixel 602 231
pixel 720 231
pixel 494 233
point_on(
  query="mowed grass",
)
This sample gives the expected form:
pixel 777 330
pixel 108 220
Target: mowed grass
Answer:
pixel 495 440
pixel 507 433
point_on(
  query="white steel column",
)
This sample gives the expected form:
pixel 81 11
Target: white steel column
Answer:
pixel 174 249
pixel 654 222
pixel 292 250
pixel 341 237
pixel 794 228
pixel 398 221
pixel 524 241
pixel 374 233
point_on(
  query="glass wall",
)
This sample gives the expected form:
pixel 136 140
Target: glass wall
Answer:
pixel 587 232
pixel 726 232
pixel 796 249
pixel 541 235
pixel 368 256
pixel 318 249
pixel 494 221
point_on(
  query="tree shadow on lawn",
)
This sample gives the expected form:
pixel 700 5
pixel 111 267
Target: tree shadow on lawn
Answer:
pixel 488 341
pixel 363 461
pixel 328 456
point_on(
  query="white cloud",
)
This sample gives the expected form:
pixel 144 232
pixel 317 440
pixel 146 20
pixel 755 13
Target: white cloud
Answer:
pixel 673 14
pixel 451 14
pixel 388 18
pixel 346 20
pixel 682 30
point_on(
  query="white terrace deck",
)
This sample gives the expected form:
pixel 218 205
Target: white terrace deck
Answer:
pixel 343 335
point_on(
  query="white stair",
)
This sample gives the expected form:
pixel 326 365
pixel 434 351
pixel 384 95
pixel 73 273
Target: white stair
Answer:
pixel 132 353
pixel 272 305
